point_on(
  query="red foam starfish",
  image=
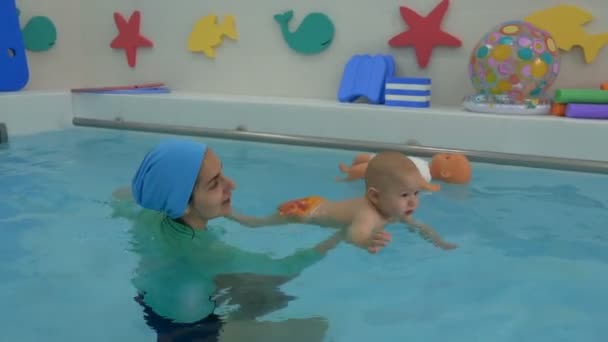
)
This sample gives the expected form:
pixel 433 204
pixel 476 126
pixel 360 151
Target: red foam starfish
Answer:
pixel 424 32
pixel 128 37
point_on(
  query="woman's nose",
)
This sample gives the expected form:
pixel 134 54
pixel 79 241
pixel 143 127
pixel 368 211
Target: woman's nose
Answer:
pixel 231 184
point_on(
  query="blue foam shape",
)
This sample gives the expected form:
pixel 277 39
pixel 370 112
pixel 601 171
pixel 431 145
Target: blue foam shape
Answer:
pixel 160 90
pixel 14 71
pixel 409 80
pixel 390 71
pixel 390 66
pixel 407 92
pixel 412 104
pixel 365 75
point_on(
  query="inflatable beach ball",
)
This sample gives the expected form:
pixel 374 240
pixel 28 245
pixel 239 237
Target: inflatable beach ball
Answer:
pixel 515 59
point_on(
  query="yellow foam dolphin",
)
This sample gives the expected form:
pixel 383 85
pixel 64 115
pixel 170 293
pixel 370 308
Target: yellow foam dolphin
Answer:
pixel 565 24
pixel 207 34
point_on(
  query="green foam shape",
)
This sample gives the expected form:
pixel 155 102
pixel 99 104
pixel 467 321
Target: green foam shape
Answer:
pixel 39 34
pixel 315 33
pixel 568 95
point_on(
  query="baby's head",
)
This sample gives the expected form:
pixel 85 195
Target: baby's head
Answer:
pixel 392 182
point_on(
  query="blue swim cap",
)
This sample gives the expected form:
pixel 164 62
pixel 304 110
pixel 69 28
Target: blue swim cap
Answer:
pixel 166 177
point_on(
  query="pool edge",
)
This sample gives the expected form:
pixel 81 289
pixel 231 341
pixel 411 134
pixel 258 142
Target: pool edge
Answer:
pixel 30 112
pixel 565 164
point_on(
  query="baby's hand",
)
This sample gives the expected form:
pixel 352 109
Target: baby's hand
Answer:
pixel 378 240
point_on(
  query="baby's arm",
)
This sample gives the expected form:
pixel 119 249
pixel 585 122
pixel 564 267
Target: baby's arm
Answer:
pixel 365 232
pixel 427 233
pixel 255 222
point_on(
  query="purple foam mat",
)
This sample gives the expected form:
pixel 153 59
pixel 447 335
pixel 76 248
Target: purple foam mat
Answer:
pixel 587 111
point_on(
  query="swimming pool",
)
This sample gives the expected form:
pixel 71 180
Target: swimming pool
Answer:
pixel 532 262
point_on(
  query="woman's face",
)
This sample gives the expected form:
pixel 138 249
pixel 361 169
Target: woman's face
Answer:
pixel 212 193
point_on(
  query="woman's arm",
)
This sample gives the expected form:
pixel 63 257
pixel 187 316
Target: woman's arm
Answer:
pixel 123 205
pixel 255 222
pixel 240 261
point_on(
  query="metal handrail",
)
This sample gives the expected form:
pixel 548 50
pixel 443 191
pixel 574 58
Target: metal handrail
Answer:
pixel 412 148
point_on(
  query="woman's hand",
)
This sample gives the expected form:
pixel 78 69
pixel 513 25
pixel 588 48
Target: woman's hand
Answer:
pixel 378 240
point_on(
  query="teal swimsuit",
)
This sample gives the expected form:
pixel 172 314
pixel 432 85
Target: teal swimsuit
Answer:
pixel 177 265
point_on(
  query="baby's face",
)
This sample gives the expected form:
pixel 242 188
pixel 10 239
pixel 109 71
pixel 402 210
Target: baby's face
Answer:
pixel 400 198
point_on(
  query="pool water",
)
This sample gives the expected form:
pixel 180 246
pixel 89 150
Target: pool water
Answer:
pixel 532 262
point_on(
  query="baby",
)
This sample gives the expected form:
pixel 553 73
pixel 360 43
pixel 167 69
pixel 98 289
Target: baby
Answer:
pixel 392 183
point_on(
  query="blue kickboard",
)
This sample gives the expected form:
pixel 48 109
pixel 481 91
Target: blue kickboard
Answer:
pixel 14 71
pixel 365 75
pixel 390 64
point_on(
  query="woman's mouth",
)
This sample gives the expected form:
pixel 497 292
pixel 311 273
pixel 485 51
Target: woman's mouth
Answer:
pixel 226 201
pixel 409 212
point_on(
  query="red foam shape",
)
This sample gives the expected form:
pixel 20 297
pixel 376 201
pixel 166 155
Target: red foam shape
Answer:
pixel 128 37
pixel 425 32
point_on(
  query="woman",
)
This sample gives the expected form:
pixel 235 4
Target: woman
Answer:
pixel 181 187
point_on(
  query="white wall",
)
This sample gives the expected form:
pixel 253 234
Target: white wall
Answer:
pixel 62 66
pixel 38 111
pixel 524 135
pixel 260 63
pixel 35 111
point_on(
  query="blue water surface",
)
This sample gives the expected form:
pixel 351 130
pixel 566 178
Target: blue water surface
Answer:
pixel 532 262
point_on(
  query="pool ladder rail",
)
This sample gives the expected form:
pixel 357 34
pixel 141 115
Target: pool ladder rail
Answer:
pixel 3 135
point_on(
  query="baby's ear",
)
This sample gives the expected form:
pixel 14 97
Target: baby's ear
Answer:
pixel 373 194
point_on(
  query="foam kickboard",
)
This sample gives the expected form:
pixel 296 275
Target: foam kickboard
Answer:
pixel 14 71
pixel 162 90
pixel 121 87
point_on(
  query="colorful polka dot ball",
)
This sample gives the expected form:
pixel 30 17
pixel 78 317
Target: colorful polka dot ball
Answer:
pixel 515 59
